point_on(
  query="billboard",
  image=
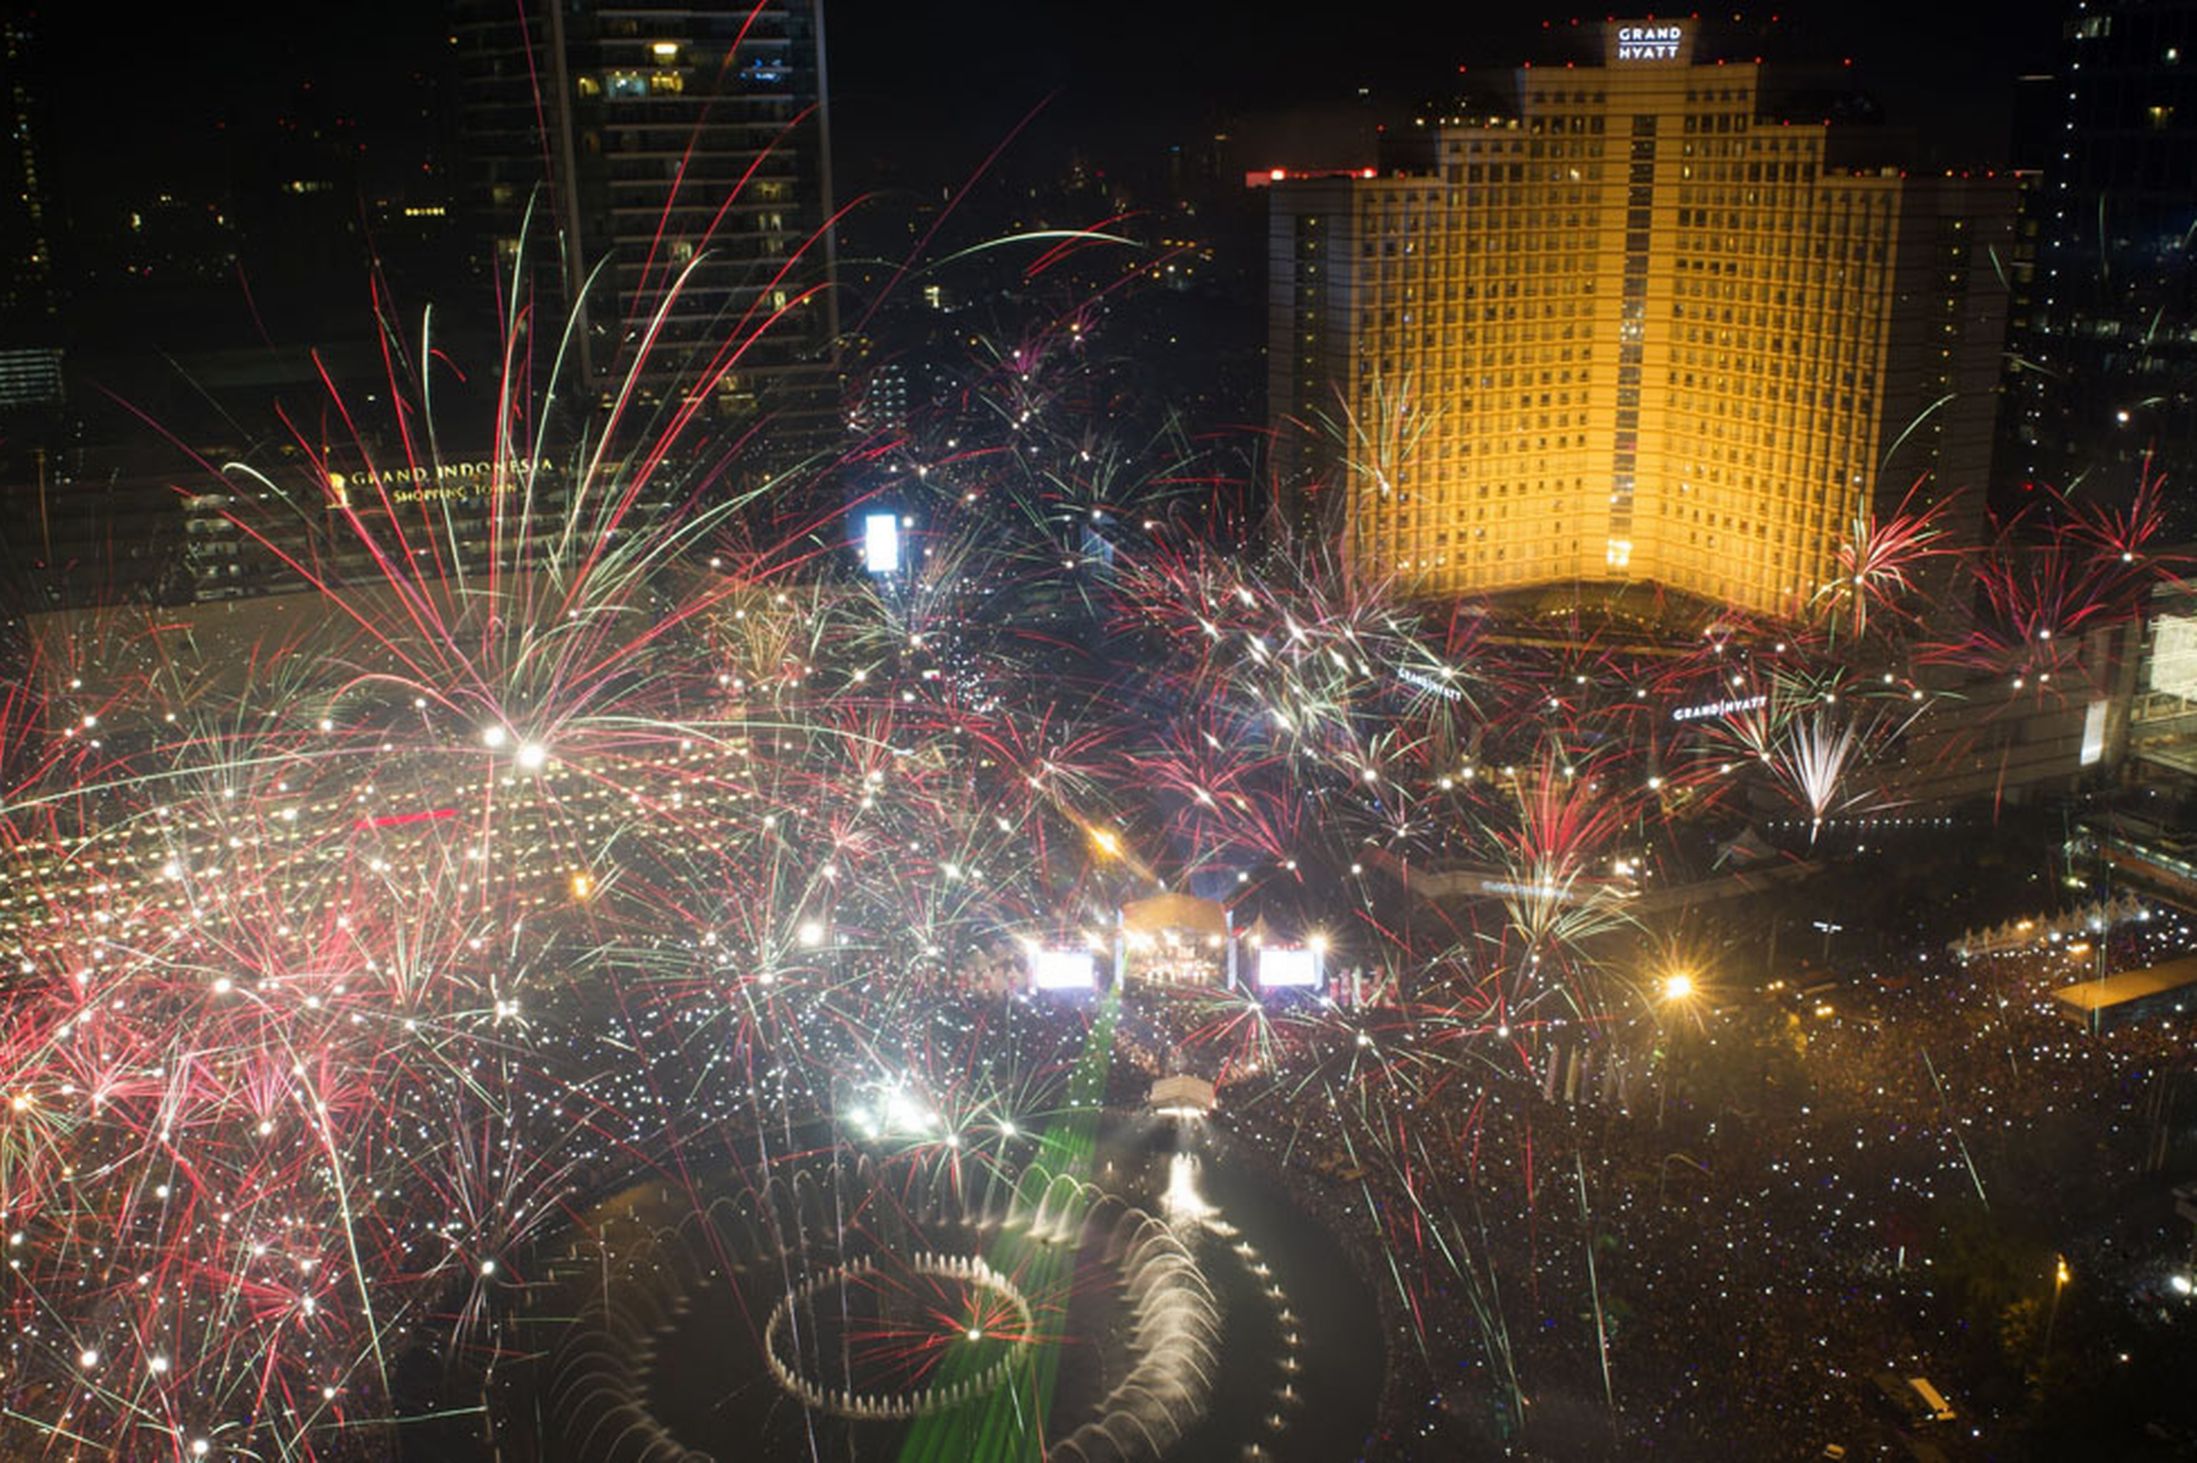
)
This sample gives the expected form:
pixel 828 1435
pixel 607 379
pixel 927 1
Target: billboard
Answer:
pixel 1288 967
pixel 881 543
pixel 2174 656
pixel 2094 733
pixel 1063 970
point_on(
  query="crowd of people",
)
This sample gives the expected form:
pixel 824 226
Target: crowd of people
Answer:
pixel 1883 1179
pixel 1714 1257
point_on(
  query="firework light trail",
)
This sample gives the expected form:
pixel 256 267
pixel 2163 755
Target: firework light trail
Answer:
pixel 605 823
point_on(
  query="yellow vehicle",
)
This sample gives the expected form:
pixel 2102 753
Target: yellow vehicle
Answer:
pixel 1914 1398
pixel 1940 1410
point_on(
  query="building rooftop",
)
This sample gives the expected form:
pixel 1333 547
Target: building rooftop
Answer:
pixel 2092 997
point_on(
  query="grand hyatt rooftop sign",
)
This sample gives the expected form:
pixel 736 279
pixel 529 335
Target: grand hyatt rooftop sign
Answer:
pixel 1732 707
pixel 1650 42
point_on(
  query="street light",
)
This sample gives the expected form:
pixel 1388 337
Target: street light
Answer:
pixel 1677 986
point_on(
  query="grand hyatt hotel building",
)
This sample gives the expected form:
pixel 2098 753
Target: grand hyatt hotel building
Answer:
pixel 1636 330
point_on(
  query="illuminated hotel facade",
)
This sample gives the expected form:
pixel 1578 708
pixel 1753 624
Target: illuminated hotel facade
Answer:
pixel 1634 331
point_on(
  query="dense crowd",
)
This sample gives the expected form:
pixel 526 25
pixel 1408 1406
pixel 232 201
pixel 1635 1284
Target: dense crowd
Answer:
pixel 1802 1196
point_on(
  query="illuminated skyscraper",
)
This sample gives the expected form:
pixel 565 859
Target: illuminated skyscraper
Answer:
pixel 683 151
pixel 1633 329
pixel 2107 349
pixel 30 331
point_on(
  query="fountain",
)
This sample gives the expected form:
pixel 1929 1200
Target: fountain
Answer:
pixel 866 1305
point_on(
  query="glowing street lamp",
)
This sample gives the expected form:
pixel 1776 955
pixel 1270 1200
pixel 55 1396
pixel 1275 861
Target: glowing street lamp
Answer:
pixel 1677 986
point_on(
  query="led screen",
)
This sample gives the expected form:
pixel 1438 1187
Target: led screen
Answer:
pixel 881 543
pixel 1288 967
pixel 1062 970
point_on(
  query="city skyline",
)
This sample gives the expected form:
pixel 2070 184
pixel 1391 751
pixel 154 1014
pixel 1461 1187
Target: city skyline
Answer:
pixel 834 731
pixel 963 82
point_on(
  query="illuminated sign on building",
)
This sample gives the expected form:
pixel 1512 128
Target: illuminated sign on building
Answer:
pixel 1428 684
pixel 1720 708
pixel 1649 42
pixel 881 543
pixel 439 482
pixel 1062 970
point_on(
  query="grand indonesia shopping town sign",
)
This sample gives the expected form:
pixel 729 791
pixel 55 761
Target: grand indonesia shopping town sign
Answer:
pixel 439 481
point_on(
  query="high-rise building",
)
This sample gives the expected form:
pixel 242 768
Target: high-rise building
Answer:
pixel 675 159
pixel 30 331
pixel 2105 366
pixel 1634 327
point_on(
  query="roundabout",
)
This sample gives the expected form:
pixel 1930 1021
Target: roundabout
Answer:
pixel 860 1306
pixel 900 1304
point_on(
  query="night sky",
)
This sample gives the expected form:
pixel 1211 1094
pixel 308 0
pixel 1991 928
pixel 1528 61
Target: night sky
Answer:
pixel 1944 67
pixel 922 93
